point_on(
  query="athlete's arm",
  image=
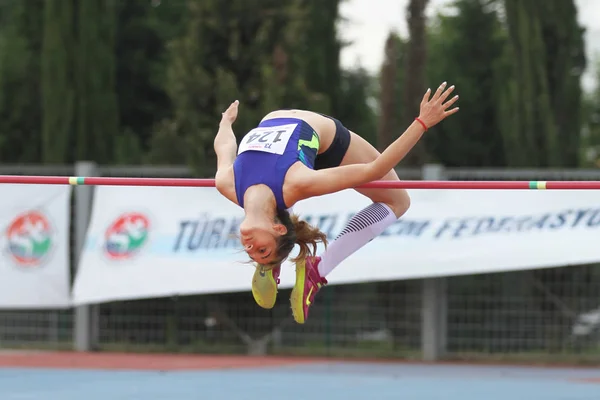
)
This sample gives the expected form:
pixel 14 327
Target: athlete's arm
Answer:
pixel 225 148
pixel 325 181
pixel 225 144
pixel 225 184
pixel 331 180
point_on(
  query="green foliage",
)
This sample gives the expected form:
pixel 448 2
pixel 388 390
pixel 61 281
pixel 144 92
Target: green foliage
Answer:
pixel 321 51
pixel 166 146
pixel 261 53
pixel 565 64
pixel 79 103
pixel 20 108
pixel 466 49
pixel 143 32
pixel 590 145
pixel 128 149
pixel 414 74
pixel 58 82
pixel 142 81
pixel 357 103
pixel 391 81
pixel 541 100
pixel 96 109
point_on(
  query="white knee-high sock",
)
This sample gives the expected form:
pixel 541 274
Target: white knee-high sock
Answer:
pixel 363 227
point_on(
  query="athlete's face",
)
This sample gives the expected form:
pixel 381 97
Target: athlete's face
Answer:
pixel 260 242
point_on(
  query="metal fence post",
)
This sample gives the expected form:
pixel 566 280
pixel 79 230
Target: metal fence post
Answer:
pixel 434 299
pixel 85 323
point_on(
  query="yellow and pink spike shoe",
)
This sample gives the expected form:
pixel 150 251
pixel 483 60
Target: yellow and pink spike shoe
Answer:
pixel 264 285
pixel 308 283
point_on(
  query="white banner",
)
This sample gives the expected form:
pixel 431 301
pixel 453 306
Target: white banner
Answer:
pixel 34 263
pixel 150 242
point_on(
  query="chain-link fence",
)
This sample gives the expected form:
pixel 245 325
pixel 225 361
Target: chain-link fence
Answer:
pixel 541 315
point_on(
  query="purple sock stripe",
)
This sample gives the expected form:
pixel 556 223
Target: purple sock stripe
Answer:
pixel 370 215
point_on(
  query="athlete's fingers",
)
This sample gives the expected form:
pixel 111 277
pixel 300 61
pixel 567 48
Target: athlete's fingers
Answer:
pixel 445 94
pixel 231 110
pixel 233 105
pixel 453 100
pixel 451 111
pixel 439 91
pixel 426 97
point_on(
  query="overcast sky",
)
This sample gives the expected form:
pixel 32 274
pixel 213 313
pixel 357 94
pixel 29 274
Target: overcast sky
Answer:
pixel 371 20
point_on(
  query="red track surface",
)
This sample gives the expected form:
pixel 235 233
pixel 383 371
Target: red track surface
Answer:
pixel 123 361
pixel 174 362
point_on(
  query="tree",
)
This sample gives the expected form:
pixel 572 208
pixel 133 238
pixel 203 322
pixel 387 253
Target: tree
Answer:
pixel 142 33
pixel 465 48
pixel 191 80
pixel 20 84
pixel 546 57
pixel 414 78
pixel 236 50
pixel 391 91
pixel 95 64
pixel 58 82
pixel 357 103
pixel 322 52
pixel 80 114
pixel 565 63
pixel 590 148
pixel 388 100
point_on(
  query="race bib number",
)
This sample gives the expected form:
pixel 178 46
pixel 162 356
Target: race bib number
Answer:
pixel 273 139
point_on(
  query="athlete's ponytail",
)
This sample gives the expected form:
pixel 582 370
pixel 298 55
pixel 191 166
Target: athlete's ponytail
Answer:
pixel 307 237
pixel 298 231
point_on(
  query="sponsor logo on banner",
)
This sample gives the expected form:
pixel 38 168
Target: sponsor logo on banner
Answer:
pixel 29 238
pixel 126 236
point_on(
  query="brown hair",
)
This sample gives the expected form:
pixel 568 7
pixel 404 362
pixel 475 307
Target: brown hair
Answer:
pixel 300 232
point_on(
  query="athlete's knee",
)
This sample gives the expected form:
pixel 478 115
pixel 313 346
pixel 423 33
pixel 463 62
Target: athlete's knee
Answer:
pixel 399 203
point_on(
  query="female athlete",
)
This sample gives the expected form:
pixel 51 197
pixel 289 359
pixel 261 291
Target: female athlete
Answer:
pixel 293 155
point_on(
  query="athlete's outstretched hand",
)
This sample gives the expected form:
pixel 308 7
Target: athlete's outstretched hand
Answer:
pixel 436 108
pixel 231 113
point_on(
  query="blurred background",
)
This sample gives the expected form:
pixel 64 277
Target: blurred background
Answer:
pixel 137 88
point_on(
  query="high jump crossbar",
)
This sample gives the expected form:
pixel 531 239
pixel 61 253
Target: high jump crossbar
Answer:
pixel 191 182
